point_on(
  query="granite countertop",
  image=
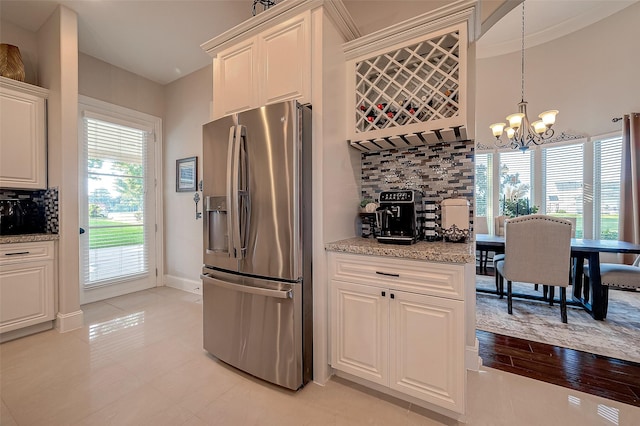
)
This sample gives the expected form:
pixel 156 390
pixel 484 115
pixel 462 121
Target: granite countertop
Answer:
pixel 437 251
pixel 28 238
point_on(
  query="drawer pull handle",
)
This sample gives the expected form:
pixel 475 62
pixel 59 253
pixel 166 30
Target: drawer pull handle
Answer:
pixel 388 274
pixel 16 253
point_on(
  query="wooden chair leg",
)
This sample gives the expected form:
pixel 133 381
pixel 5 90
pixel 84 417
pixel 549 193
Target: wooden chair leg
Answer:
pixel 535 287
pixel 501 290
pixel 498 282
pixel 586 290
pixel 545 291
pixel 552 291
pixel 509 298
pixel 563 304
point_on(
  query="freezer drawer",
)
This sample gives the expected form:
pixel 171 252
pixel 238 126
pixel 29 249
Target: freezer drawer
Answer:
pixel 255 325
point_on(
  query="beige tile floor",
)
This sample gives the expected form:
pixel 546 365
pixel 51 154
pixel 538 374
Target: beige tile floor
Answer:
pixel 139 361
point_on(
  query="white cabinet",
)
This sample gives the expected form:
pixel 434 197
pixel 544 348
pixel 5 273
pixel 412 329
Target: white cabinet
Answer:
pixel 22 135
pixel 392 326
pixel 286 61
pixel 426 348
pixel 409 84
pixel 26 284
pixel 272 66
pixel 360 331
pixel 235 84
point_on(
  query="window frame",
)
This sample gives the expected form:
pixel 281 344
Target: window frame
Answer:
pixel 590 217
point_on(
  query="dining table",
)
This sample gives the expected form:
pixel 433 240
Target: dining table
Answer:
pixel 594 298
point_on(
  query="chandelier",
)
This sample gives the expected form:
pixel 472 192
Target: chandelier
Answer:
pixel 521 133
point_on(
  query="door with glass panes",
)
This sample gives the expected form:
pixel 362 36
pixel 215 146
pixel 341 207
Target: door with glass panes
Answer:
pixel 117 208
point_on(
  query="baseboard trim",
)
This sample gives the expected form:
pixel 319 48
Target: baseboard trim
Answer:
pixel 184 284
pixel 69 322
pixel 472 358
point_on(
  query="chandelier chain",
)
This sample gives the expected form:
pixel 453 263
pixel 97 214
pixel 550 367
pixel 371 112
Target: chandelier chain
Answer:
pixel 522 54
pixel 521 133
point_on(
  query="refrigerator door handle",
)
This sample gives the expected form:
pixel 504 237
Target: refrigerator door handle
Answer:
pixel 231 206
pixel 280 294
pixel 239 193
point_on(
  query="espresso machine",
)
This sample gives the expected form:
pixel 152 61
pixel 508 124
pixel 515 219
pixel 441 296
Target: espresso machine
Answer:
pixel 398 218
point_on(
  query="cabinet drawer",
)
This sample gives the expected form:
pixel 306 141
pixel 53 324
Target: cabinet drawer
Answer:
pixel 437 279
pixel 25 252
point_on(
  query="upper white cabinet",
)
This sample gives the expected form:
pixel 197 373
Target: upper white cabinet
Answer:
pixel 272 66
pixel 235 80
pixel 410 84
pixel 286 62
pixel 23 144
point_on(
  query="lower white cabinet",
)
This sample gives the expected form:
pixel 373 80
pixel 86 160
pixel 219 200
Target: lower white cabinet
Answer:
pixel 409 341
pixel 26 284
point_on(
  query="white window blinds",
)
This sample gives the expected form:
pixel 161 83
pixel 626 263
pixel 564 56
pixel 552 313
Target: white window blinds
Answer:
pixel 607 162
pixel 562 171
pixel 482 184
pixel 115 248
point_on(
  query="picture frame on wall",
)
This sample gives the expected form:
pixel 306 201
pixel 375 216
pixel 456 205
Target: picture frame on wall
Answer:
pixel 186 174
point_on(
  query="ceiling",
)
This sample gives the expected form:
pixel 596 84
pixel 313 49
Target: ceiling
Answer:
pixel 160 39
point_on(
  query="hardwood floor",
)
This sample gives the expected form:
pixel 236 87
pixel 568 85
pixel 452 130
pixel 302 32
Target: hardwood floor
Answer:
pixel 610 378
pixel 598 375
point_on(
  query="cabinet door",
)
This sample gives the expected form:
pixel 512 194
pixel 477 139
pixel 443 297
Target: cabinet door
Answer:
pixel 359 331
pixel 286 61
pixel 22 140
pixel 427 348
pixel 26 294
pixel 235 83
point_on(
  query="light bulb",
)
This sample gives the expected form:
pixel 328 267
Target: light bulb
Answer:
pixel 497 129
pixel 549 117
pixel 510 132
pixel 515 120
pixel 539 127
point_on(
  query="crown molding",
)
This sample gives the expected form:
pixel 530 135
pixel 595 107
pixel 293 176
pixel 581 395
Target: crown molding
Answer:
pixel 279 13
pixel 337 11
pixel 9 83
pixel 458 12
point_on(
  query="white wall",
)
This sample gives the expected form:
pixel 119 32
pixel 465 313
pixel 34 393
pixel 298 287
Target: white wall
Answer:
pixel 591 76
pixel 101 80
pixel 188 105
pixel 28 45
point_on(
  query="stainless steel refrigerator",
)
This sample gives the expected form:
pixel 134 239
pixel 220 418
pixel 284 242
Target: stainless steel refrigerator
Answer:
pixel 257 292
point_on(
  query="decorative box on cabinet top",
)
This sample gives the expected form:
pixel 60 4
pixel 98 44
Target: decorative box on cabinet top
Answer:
pixel 409 84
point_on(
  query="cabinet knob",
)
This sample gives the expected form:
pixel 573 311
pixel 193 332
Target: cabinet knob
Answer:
pixel 384 293
pixel 393 296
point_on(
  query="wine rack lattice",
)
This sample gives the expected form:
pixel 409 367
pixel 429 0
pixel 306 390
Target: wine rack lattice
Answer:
pixel 413 84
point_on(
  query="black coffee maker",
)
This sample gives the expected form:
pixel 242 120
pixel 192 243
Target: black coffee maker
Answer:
pixel 397 217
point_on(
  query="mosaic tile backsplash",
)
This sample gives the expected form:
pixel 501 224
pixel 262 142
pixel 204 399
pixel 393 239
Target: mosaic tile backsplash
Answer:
pixel 28 211
pixel 442 171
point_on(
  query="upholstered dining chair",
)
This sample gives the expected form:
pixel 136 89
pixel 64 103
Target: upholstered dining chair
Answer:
pixel 616 275
pixel 537 251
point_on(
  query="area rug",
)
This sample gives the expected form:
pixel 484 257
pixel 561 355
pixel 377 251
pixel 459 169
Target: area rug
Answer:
pixel 618 336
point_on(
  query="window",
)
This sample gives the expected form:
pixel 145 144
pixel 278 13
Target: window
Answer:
pixel 515 182
pixel 118 199
pixel 482 184
pixel 607 161
pixel 562 176
pixel 578 181
pixel 116 163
